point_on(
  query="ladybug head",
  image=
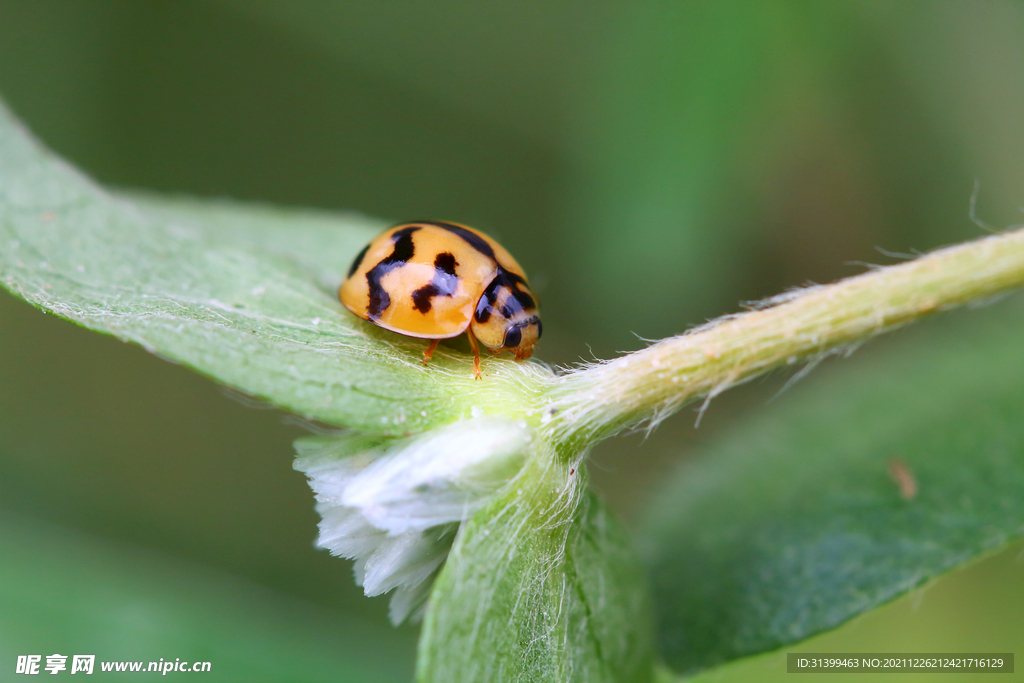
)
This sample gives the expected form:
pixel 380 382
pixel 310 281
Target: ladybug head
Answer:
pixel 506 317
pixel 521 336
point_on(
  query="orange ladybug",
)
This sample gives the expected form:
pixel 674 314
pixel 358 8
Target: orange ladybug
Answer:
pixel 435 280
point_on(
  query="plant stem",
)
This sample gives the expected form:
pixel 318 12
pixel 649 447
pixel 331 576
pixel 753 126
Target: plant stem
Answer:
pixel 597 401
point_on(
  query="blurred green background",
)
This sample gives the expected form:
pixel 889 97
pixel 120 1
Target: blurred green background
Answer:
pixel 650 164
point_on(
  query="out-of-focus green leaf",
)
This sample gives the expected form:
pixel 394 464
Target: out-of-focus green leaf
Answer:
pixel 243 294
pixel 61 592
pixel 513 64
pixel 974 609
pixel 542 585
pixel 852 489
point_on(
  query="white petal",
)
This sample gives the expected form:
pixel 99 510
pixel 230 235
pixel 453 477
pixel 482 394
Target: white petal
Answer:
pixel 443 476
pixel 408 559
pixel 409 602
pixel 394 505
pixel 346 533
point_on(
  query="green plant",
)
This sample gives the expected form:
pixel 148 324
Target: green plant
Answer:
pixel 787 531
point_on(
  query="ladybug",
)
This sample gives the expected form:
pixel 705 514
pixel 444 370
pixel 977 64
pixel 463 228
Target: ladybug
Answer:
pixel 435 280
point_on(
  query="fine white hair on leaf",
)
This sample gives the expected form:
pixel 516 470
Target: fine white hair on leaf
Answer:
pixel 395 505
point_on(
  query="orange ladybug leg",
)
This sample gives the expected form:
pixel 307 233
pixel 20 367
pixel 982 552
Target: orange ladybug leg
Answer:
pixel 476 354
pixel 429 353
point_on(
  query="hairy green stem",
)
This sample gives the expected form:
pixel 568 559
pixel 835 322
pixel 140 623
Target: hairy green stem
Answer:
pixel 594 402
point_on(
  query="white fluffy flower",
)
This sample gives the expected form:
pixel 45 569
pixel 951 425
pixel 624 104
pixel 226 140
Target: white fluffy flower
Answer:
pixel 394 505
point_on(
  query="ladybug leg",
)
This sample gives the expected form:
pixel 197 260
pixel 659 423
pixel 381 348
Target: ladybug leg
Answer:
pixel 476 355
pixel 429 353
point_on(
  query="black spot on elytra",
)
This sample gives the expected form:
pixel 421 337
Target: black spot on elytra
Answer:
pixel 357 262
pixel 517 302
pixel 403 251
pixel 444 283
pixel 446 263
pixel 474 240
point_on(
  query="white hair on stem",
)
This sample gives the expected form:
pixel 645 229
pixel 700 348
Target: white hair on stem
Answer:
pixel 597 400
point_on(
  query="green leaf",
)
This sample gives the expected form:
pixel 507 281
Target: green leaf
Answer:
pixel 796 523
pixel 542 585
pixel 63 592
pixel 244 294
pixel 973 609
